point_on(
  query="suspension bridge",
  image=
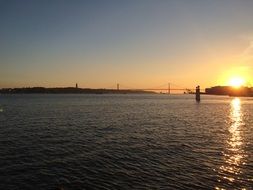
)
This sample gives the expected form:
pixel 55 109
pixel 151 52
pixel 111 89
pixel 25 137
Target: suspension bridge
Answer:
pixel 165 88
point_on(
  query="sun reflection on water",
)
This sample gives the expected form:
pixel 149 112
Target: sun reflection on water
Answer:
pixel 231 170
pixel 235 140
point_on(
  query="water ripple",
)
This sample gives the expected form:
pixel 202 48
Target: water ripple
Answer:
pixel 125 142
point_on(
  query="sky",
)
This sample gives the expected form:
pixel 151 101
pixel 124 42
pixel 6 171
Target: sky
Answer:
pixel 136 43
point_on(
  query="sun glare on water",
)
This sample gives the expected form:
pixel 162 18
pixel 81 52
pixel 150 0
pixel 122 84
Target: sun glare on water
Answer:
pixel 236 82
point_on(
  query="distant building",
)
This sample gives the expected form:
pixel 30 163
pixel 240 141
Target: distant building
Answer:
pixel 76 85
pixel 230 91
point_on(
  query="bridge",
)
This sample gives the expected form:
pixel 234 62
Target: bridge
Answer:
pixel 165 88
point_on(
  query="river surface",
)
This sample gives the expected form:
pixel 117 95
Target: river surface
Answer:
pixel 125 142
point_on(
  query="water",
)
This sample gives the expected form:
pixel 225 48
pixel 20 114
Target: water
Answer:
pixel 125 142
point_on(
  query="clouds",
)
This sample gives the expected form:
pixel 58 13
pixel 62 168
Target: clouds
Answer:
pixel 247 54
pixel 246 61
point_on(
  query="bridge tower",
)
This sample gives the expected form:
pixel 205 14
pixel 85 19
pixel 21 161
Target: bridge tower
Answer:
pixel 168 88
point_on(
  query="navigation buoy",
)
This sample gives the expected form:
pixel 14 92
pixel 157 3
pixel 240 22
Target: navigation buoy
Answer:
pixel 198 93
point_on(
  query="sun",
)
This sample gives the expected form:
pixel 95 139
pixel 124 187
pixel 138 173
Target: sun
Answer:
pixel 236 82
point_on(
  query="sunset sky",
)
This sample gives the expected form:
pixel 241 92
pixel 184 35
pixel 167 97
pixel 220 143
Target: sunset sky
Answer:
pixel 138 43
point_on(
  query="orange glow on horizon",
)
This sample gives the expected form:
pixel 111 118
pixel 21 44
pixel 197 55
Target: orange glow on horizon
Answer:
pixel 236 77
pixel 236 82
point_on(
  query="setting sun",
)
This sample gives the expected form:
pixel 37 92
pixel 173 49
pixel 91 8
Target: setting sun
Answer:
pixel 236 82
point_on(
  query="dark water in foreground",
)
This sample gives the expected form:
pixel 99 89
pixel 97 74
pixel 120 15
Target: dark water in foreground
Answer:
pixel 125 142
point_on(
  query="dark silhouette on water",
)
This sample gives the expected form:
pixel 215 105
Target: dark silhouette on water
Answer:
pixel 198 93
pixel 69 90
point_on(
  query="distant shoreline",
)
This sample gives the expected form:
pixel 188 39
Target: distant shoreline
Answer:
pixel 70 90
pixel 230 91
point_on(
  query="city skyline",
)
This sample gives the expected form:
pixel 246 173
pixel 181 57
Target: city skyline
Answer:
pixel 140 44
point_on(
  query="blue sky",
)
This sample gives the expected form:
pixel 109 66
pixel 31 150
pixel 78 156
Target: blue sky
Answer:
pixel 137 43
